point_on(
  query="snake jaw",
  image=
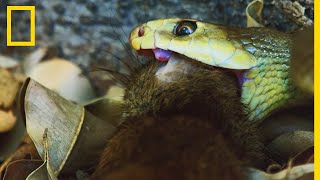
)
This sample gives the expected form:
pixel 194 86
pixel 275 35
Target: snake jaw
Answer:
pixel 178 61
pixel 162 55
pixel 175 66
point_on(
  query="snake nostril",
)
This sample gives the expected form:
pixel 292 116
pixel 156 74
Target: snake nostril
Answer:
pixel 141 31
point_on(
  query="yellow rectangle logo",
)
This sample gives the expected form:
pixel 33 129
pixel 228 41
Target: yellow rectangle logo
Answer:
pixel 32 41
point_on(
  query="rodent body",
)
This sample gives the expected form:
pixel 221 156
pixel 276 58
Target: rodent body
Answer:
pixel 187 129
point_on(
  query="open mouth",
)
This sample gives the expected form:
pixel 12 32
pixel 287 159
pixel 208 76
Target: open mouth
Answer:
pixel 179 63
pixel 174 65
pixel 162 55
pixel 159 54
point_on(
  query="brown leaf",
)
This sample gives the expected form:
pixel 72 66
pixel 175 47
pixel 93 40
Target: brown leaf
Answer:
pixel 302 61
pixel 291 173
pixel 9 87
pixel 25 151
pixel 9 141
pixel 71 130
pixel 304 157
pixel 289 145
pixel 7 121
pixel 253 12
pixel 20 169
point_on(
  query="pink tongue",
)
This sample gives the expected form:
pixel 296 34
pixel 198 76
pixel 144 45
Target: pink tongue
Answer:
pixel 162 55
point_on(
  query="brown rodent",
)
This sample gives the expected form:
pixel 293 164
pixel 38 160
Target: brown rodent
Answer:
pixel 191 128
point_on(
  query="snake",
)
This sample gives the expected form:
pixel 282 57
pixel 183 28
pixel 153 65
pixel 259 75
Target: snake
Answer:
pixel 260 57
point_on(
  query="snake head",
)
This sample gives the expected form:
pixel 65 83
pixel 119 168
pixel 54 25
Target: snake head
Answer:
pixel 197 40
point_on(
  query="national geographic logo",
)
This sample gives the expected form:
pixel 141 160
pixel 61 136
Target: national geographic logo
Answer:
pixel 32 10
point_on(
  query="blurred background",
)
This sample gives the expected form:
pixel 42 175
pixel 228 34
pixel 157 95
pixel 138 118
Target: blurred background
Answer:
pixel 80 30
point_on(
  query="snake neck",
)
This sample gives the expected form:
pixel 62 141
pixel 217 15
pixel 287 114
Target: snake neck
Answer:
pixel 266 87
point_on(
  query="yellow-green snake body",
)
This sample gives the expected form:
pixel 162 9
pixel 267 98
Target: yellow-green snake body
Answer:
pixel 261 55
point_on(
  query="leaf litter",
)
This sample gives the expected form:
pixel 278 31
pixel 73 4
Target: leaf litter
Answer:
pixel 63 125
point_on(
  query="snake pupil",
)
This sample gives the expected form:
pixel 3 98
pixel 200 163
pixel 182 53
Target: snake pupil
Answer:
pixel 185 28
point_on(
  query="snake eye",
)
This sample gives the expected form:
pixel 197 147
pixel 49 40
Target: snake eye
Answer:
pixel 184 28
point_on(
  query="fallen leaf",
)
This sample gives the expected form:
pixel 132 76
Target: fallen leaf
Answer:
pixel 72 131
pixel 9 87
pixel 41 173
pixel 304 157
pixel 285 121
pixel 302 61
pixel 253 13
pixel 10 141
pixel 20 169
pixel 291 173
pixel 289 145
pixel 44 171
pixel 7 121
pixel 26 151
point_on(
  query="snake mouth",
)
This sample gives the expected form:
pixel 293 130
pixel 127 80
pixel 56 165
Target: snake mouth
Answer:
pixel 177 61
pixel 159 54
pixel 173 64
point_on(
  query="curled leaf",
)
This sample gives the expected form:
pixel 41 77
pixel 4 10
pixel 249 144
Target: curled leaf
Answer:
pixel 45 171
pixel 20 169
pixel 71 130
pixel 286 121
pixel 9 141
pixel 291 173
pixel 25 151
pixel 288 133
pixel 7 121
pixel 9 87
pixel 288 145
pixel 253 13
pixel 302 61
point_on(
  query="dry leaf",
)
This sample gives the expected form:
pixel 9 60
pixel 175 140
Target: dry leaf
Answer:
pixel 7 121
pixel 285 121
pixel 25 151
pixel 291 173
pixel 71 130
pixel 41 173
pixel 45 171
pixel 65 78
pixel 304 157
pixel 253 13
pixel 9 141
pixel 20 169
pixel 9 87
pixel 302 62
pixel 281 133
pixel 289 145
